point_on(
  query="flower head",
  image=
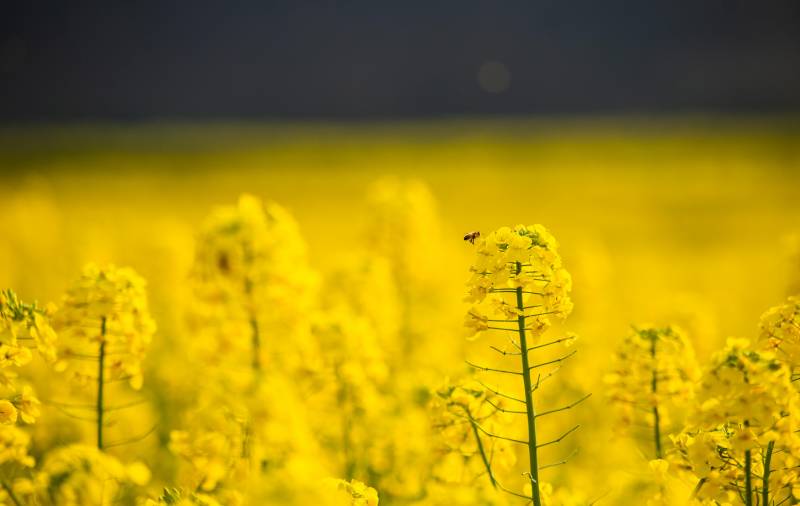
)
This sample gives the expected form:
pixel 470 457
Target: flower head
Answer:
pixel 780 331
pixel 106 309
pixel 24 326
pixel 653 368
pixel 518 272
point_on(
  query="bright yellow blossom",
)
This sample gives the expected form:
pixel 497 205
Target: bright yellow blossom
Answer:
pixel 525 257
pixel 8 413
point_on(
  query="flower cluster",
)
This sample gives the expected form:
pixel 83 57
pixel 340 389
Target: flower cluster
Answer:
pixel 212 447
pixel 76 475
pixel 104 317
pixel 780 331
pixel 517 285
pixel 654 373
pixel 178 497
pixel 518 272
pixel 349 493
pixel 744 426
pixel 22 327
pixel 467 414
pixel 251 281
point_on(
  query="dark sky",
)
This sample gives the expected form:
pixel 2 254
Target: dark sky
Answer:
pixel 259 59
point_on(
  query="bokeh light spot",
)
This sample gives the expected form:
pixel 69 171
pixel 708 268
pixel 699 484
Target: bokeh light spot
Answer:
pixel 494 77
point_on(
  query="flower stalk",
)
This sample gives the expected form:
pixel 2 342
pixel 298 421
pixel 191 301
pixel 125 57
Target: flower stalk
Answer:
pixel 530 410
pixel 654 389
pixel 518 283
pixel 767 470
pixel 748 478
pixel 101 365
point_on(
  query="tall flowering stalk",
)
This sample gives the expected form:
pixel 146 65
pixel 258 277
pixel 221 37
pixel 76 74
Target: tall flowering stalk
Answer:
pixel 518 284
pixel 250 279
pixel 105 329
pixel 252 293
pixel 654 372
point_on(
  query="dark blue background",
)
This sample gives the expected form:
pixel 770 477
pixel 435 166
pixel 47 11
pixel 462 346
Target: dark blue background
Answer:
pixel 261 59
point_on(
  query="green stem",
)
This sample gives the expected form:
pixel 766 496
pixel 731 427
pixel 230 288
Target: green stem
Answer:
pixel 11 494
pixel 697 487
pixel 256 340
pixel 765 485
pixel 530 411
pixel 654 388
pixel 486 462
pixel 100 383
pixel 748 480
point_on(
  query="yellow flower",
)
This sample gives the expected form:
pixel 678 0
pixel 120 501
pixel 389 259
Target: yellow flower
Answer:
pixel 780 330
pixel 250 280
pixel 27 323
pixel 28 405
pixel 8 413
pixel 518 272
pixel 653 368
pixel 351 493
pixel 105 315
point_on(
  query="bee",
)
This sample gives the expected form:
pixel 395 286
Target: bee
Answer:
pixel 472 236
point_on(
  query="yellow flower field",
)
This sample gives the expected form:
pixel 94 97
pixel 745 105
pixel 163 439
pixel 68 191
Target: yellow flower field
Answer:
pixel 442 313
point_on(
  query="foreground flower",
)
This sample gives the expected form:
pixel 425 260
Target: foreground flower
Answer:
pixel 518 284
pixel 518 273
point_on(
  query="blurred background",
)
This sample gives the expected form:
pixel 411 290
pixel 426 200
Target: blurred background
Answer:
pixel 658 141
pixel 361 59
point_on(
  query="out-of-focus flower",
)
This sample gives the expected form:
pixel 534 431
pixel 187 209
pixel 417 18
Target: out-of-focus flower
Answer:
pixel 77 475
pixel 350 493
pixel 780 331
pixel 105 316
pixel 24 326
pixel 252 284
pixel 654 373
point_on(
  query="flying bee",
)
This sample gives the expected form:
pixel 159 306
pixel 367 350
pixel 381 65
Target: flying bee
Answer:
pixel 472 236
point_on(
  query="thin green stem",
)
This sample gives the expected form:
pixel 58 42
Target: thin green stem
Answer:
pixel 11 494
pixel 485 459
pixel 767 470
pixel 697 487
pixel 101 361
pixel 748 479
pixel 531 412
pixel 256 339
pixel 654 388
